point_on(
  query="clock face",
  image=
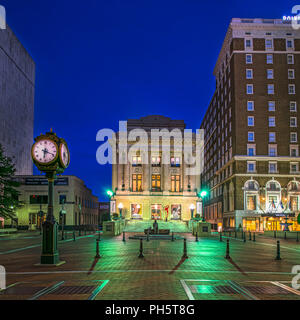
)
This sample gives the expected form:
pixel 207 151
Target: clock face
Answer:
pixel 44 151
pixel 64 155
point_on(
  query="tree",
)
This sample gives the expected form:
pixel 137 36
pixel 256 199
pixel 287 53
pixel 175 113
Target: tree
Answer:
pixel 9 195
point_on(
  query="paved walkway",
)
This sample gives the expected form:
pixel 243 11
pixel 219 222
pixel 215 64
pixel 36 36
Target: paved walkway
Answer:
pixel 252 273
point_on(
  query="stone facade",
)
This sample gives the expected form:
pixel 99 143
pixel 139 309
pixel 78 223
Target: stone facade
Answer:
pixel 252 128
pixel 155 190
pixel 17 86
pixel 70 189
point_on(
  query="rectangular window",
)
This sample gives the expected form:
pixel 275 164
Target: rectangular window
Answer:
pixel 251 136
pixel 250 121
pixel 294 151
pixel 249 88
pixel 251 150
pixel 292 89
pixel 272 137
pixel 62 199
pixel 175 162
pixel 270 88
pixel 250 105
pixel 175 183
pixel 37 199
pixel 248 58
pixel 272 150
pixel 291 74
pixel 293 136
pixel 293 122
pixel 136 182
pixel 136 161
pixel 249 73
pixel 290 59
pixel 156 182
pixel 271 105
pixel 248 43
pixel 251 202
pixel 269 58
pixel 272 122
pixel 294 167
pixel 293 106
pixel 289 44
pixel 269 44
pixel 270 74
pixel 156 161
pixel 251 166
pixel 272 167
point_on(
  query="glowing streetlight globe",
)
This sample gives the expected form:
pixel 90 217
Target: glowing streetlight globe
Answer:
pixel 109 193
pixel 203 193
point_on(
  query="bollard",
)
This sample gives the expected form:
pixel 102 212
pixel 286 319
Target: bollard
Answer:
pixel 254 237
pixel 235 234
pixel 184 256
pixel 99 236
pixel 172 236
pixel 196 236
pixel 274 234
pixel 278 251
pixel 148 235
pixel 244 236
pixel 220 236
pixel 297 237
pixel 124 237
pixel 141 249
pixel 227 250
pixel 285 235
pixel 97 256
pixel 74 236
pixel 249 235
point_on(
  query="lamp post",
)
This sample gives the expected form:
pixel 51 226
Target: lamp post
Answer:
pixel 192 208
pixel 62 216
pixel 203 194
pixel 120 206
pixel 110 194
pixel 41 215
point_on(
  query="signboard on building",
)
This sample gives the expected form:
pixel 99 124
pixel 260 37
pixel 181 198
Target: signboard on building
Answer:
pixel 44 182
pixel 113 206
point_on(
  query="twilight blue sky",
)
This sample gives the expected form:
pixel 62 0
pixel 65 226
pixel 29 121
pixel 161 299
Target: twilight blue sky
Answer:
pixel 98 62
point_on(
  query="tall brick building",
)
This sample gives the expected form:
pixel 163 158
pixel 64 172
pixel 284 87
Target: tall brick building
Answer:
pixel 252 128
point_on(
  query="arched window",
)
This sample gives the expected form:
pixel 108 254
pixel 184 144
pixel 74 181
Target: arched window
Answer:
pixel 231 196
pixel 273 196
pixel 251 199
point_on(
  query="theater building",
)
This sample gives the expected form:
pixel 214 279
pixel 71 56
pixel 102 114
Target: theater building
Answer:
pixel 155 190
pixel 251 163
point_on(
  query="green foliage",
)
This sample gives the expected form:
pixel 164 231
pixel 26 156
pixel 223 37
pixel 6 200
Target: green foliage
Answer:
pixel 9 196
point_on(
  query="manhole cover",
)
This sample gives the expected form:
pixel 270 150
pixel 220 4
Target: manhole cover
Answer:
pixel 71 290
pixel 266 290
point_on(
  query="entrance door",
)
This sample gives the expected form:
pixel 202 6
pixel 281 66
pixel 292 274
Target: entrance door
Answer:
pixel 156 212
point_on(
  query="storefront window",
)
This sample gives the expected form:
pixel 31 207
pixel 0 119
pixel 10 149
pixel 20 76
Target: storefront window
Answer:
pixel 176 212
pixel 156 211
pixel 136 211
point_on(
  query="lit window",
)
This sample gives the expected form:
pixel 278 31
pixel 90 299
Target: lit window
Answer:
pixel 136 182
pixel 249 88
pixel 293 122
pixel 156 161
pixel 248 58
pixel 291 74
pixel 250 105
pixel 271 121
pixel 175 183
pixel 292 89
pixel 251 136
pixel 250 121
pixel 175 162
pixel 272 150
pixel 272 137
pixel 269 58
pixel 249 74
pixel 290 59
pixel 270 88
pixel 293 106
pixel 293 136
pixel 271 105
pixel 136 161
pixel 270 74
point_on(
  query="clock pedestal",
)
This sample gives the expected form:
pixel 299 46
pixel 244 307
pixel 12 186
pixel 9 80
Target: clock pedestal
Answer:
pixel 50 255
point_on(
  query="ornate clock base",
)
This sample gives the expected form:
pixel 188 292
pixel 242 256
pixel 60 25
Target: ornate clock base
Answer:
pixel 50 253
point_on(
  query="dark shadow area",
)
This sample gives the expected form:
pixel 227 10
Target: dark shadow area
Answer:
pixel 178 265
pixel 93 265
pixel 237 267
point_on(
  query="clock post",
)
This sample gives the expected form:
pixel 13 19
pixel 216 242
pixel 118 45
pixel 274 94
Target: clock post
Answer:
pixel 51 155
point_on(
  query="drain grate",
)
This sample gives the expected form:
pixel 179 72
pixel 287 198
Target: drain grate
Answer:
pixel 266 290
pixel 211 289
pixel 72 290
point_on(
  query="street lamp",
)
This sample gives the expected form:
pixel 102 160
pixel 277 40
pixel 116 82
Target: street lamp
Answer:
pixel 110 193
pixel 120 206
pixel 192 208
pixel 62 216
pixel 203 194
